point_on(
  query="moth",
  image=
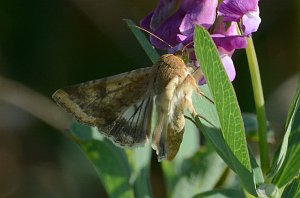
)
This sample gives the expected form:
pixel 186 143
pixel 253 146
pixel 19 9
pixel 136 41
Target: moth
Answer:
pixel 121 106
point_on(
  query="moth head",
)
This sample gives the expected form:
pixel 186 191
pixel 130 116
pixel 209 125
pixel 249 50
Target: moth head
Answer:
pixel 183 55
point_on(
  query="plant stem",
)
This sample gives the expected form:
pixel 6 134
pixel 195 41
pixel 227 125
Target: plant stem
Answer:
pixel 259 104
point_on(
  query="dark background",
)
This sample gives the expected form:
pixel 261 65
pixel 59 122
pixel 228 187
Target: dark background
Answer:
pixel 46 45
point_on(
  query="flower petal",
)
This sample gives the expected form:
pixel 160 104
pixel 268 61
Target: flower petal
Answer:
pixel 164 10
pixel 222 28
pixel 145 22
pixel 167 31
pixel 251 22
pixel 229 43
pixel 202 12
pixel 229 67
pixel 233 10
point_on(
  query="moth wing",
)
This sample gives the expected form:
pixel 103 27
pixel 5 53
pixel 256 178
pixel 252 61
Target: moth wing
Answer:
pixel 119 106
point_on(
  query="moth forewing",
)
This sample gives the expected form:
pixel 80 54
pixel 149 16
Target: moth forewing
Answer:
pixel 119 106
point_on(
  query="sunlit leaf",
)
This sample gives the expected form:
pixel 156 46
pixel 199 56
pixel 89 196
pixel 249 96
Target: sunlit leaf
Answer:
pixel 231 123
pixel 213 133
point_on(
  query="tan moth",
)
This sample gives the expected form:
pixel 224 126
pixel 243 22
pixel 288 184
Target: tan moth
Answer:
pixel 121 106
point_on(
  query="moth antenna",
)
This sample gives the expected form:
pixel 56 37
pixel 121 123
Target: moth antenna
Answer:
pixel 184 47
pixel 154 36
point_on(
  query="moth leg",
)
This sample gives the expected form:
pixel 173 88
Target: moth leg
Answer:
pixel 196 87
pixel 203 95
pixel 188 99
pixel 188 86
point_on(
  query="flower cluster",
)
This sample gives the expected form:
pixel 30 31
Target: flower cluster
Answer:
pixel 229 22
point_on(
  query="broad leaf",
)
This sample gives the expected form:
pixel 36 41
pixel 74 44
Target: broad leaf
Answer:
pixel 229 114
pixel 213 133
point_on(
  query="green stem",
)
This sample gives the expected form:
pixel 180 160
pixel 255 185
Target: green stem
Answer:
pixel 259 104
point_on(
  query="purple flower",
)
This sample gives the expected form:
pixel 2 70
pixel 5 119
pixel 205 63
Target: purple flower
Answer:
pixel 179 24
pixel 228 37
pixel 174 20
pixel 245 10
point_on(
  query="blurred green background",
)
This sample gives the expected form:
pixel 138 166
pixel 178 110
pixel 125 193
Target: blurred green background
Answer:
pixel 46 45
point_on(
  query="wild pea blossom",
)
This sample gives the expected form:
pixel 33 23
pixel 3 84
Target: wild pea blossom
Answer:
pixel 174 20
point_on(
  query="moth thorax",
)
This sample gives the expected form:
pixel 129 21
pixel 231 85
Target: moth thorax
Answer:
pixel 170 71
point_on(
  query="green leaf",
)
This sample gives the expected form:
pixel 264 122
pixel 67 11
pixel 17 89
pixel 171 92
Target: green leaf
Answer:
pixel 221 193
pixel 123 173
pixel 213 133
pixel 229 114
pixel 286 164
pixel 292 190
pixel 148 48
